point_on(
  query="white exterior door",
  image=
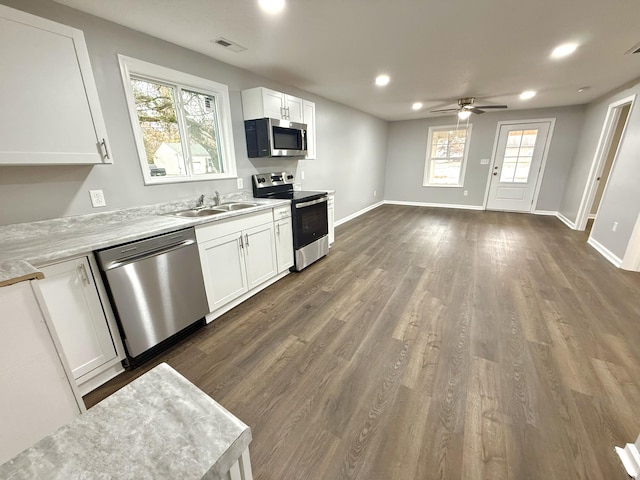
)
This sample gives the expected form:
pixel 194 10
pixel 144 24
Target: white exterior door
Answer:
pixel 519 157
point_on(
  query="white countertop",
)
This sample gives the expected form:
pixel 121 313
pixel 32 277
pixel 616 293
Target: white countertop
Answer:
pixel 25 246
pixel 160 426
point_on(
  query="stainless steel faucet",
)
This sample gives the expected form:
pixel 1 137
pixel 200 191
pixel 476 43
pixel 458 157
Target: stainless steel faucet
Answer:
pixel 200 203
pixel 217 198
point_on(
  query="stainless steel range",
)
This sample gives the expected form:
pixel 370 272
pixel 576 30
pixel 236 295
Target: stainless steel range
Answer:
pixel 308 212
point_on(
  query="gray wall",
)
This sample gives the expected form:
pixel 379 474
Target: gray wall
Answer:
pixel 407 146
pixel 621 198
pixel 351 144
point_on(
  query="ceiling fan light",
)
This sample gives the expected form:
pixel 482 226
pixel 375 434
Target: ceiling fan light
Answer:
pixel 464 114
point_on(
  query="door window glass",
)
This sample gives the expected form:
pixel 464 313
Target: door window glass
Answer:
pixel 518 154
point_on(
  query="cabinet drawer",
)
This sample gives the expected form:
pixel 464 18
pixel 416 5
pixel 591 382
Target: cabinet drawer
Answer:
pixel 226 227
pixel 281 212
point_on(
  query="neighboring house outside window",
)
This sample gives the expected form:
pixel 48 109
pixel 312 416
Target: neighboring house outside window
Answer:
pixel 446 157
pixel 181 123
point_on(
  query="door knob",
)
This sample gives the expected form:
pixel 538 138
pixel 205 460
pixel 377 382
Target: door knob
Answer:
pixel 495 173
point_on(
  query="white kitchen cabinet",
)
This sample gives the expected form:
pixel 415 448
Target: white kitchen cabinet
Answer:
pixel 331 216
pixel 260 102
pixel 284 237
pixel 37 394
pixel 237 256
pixel 88 335
pixel 50 111
pixel 309 117
pixel 223 269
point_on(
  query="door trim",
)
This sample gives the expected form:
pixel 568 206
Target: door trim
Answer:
pixel 545 154
pixel 599 158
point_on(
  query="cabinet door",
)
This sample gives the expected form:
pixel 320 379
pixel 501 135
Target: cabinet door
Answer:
pixel 273 103
pixel 331 218
pixel 284 244
pixel 309 117
pixel 37 396
pixel 50 109
pixel 71 297
pixel 223 269
pixel 260 254
pixel 294 108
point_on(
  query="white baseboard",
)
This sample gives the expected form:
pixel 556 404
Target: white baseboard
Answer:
pixel 550 213
pixel 358 213
pixel 437 205
pixel 605 252
pixel 630 459
pixel 566 221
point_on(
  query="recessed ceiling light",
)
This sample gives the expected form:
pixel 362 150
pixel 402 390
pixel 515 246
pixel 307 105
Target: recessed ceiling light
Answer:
pixel 583 89
pixel 271 6
pixel 564 50
pixel 382 80
pixel 526 95
pixel 417 105
pixel 464 114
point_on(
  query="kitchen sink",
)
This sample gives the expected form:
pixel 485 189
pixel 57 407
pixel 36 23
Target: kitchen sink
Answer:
pixel 217 210
pixel 198 212
pixel 227 207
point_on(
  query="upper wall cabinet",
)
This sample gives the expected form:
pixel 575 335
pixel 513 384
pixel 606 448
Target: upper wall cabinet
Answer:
pixel 262 102
pixel 50 109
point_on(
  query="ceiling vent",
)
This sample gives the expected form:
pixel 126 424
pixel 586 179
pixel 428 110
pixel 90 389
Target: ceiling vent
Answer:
pixel 228 44
pixel 634 49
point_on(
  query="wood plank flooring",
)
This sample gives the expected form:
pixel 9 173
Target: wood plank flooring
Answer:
pixel 431 344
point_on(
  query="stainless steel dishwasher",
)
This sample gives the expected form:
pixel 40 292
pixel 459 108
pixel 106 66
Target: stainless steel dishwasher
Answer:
pixel 157 291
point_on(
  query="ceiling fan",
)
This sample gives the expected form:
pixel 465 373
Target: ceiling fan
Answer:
pixel 466 108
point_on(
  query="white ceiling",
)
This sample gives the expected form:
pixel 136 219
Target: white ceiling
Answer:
pixel 434 50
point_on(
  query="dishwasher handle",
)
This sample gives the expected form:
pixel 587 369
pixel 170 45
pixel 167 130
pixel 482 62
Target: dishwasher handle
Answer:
pixel 121 262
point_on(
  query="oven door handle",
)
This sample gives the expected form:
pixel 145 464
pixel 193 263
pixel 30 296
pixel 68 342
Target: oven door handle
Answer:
pixel 312 202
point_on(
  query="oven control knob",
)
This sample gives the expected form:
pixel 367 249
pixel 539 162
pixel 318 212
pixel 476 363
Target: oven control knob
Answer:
pixel 261 180
pixel 289 177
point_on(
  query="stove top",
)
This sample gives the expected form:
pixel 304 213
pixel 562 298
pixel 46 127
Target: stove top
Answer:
pixel 280 185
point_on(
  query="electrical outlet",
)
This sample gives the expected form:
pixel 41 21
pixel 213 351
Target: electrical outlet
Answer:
pixel 615 226
pixel 240 184
pixel 97 198
pixel 465 193
pixel 302 175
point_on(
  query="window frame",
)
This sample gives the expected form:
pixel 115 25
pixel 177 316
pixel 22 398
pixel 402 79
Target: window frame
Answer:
pixel 132 67
pixel 428 160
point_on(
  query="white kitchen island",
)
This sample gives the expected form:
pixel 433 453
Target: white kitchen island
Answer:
pixel 160 426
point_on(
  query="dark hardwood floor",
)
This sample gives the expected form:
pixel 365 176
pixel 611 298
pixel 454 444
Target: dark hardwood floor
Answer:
pixel 432 344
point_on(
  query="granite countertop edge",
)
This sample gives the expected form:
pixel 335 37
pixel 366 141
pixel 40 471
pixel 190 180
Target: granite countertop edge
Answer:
pixel 25 247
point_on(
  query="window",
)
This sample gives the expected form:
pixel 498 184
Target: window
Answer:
pixel 517 156
pixel 181 123
pixel 446 156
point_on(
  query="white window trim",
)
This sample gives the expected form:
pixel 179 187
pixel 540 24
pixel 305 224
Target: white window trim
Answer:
pixel 132 66
pixel 427 160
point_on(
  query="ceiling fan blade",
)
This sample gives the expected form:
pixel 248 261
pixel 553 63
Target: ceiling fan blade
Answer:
pixel 445 110
pixel 475 110
pixel 490 106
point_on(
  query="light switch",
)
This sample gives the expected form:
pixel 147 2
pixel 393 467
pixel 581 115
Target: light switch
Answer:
pixel 240 184
pixel 97 198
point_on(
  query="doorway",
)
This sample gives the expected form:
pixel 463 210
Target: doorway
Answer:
pixel 601 180
pixel 604 161
pixel 519 155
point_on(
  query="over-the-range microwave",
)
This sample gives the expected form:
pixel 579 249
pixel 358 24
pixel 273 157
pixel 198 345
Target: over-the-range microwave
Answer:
pixel 269 137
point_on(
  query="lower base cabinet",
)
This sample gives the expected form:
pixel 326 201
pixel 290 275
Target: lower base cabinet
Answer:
pixel 284 244
pixel 236 256
pixel 37 395
pixel 90 340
